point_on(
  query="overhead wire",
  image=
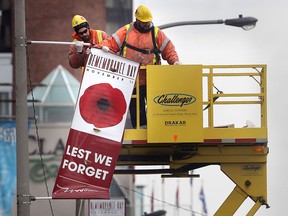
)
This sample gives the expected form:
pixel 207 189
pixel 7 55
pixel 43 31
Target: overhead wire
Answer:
pixel 37 136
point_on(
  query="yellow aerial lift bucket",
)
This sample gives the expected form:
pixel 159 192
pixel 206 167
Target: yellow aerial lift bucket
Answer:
pixel 174 103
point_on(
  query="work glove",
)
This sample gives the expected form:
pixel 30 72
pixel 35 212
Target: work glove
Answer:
pixel 79 46
pixel 105 49
pixel 177 63
pixel 88 51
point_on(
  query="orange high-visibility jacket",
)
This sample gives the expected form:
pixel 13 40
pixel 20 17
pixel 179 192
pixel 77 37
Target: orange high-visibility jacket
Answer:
pixel 77 60
pixel 132 36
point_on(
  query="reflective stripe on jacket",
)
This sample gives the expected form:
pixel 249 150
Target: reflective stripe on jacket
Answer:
pixel 142 41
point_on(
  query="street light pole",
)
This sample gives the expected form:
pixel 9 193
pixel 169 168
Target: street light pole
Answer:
pixel 23 195
pixel 245 23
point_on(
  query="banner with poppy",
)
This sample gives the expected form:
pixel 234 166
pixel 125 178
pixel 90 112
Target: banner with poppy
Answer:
pixel 95 138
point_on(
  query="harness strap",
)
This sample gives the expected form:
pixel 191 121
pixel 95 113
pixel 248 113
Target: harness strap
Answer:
pixel 144 51
pixel 129 29
pixel 156 51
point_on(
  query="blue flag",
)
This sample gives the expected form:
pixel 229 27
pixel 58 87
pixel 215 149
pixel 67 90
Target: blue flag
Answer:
pixel 7 166
pixel 202 198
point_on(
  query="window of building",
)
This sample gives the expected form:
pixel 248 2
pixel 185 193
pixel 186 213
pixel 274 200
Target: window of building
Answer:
pixel 55 98
pixel 118 14
pixel 58 114
pixel 5 26
pixel 4 105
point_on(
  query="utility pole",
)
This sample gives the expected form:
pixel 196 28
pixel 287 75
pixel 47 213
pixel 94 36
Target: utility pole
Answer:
pixel 23 195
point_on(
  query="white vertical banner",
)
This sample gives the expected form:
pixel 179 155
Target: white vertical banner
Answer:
pixel 102 207
pixel 105 95
pixel 95 138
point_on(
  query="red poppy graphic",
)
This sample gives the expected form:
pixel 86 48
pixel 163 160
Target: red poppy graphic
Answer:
pixel 102 105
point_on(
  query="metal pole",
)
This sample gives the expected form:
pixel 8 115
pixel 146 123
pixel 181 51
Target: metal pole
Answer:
pixel 23 196
pixel 79 207
pixel 201 22
pixel 54 42
pixel 40 198
pixel 245 23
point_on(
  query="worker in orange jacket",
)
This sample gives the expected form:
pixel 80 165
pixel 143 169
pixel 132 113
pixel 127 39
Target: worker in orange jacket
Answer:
pixel 78 53
pixel 142 42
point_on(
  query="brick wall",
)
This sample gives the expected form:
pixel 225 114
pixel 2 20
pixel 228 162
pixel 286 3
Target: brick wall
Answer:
pixel 48 20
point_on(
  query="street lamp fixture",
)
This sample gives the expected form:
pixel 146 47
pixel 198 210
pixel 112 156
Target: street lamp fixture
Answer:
pixel 246 23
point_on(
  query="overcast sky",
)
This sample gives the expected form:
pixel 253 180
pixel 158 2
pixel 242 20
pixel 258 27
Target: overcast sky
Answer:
pixel 267 44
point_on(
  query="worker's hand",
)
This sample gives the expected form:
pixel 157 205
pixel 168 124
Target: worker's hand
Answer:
pixel 79 46
pixel 177 63
pixel 105 49
pixel 88 51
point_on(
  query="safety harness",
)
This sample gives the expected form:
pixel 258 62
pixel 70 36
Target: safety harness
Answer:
pixel 156 51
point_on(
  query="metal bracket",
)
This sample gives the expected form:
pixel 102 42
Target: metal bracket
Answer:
pixel 24 199
pixel 21 41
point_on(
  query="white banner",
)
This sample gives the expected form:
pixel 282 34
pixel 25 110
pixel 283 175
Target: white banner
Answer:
pixel 107 86
pixel 95 137
pixel 102 207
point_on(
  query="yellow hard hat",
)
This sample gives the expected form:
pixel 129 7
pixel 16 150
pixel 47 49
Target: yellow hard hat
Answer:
pixel 143 14
pixel 78 22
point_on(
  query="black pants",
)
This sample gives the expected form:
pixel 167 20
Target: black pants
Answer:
pixel 133 111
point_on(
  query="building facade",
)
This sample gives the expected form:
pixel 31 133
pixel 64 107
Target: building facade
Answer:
pixel 51 21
